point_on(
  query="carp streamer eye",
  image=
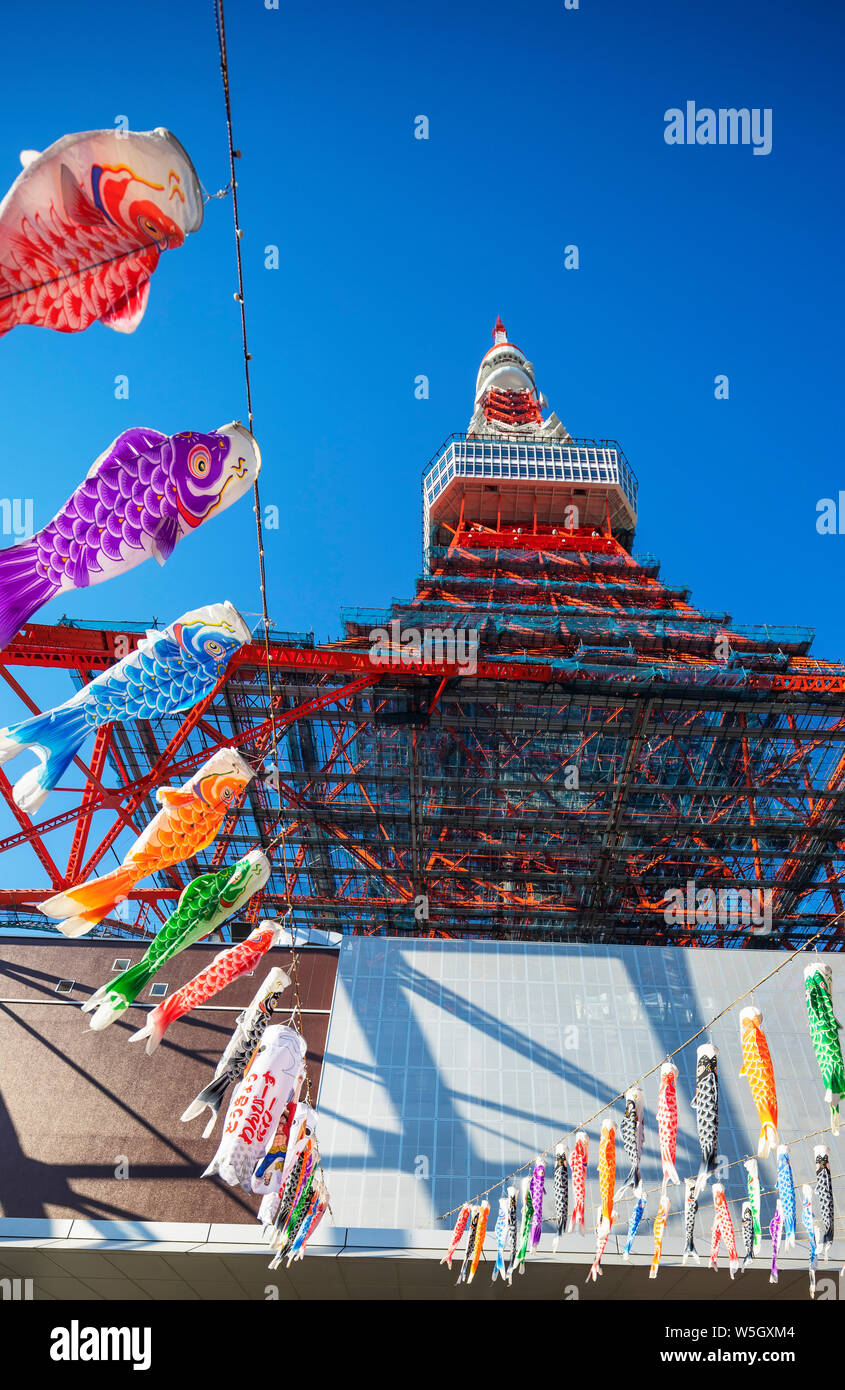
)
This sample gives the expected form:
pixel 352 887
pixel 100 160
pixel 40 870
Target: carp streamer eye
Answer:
pixel 213 647
pixel 199 462
pixel 157 233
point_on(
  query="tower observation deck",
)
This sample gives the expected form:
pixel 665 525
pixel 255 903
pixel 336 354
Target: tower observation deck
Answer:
pixel 546 740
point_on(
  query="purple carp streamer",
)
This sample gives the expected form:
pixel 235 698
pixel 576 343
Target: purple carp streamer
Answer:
pixel 139 498
pixel 538 1188
pixel 775 1226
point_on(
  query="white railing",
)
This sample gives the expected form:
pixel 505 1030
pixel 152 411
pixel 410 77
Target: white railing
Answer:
pixel 517 460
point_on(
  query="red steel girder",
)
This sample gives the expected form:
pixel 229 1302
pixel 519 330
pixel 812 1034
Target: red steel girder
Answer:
pixel 83 825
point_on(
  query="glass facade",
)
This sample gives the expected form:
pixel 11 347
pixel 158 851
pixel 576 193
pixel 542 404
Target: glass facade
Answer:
pixel 449 1065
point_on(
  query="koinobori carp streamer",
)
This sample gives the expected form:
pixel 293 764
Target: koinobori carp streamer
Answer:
pixel 757 1068
pixel 249 1029
pixel 294 1136
pixel 513 1231
pixel 706 1106
pixel 143 494
pixel 273 1075
pixel 824 1197
pixel 167 672
pixel 637 1215
pixel 205 904
pixel 478 1243
pixel 525 1224
pixel 824 1030
pixel 786 1196
pixel 227 966
pixel 633 1133
pixel 500 1268
pixel 188 821
pixel 560 1192
pixel 752 1177
pixel 722 1213
pixel 667 1121
pixel 690 1213
pixel 578 1161
pixel 747 1234
pixel 775 1227
pixel 812 1233
pixel 607 1183
pixel 460 1227
pixel 84 224
pixel 538 1188
pixel 659 1228
pixel 474 1215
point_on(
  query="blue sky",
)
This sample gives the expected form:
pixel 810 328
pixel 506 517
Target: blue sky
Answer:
pixel 396 255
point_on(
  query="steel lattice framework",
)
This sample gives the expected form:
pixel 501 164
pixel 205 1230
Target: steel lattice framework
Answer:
pixel 596 745
pixel 597 757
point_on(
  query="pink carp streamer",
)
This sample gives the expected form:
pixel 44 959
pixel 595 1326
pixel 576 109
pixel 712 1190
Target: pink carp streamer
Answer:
pixel 226 967
pixel 578 1163
pixel 715 1237
pixel 83 226
pixel 726 1225
pixel 667 1121
pixel 460 1227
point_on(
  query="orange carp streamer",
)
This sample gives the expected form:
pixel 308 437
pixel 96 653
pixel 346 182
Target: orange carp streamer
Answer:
pixel 659 1227
pixel 757 1066
pixel 480 1233
pixel 607 1183
pixel 188 821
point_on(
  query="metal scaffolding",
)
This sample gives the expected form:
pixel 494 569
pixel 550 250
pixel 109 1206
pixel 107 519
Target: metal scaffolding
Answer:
pixel 604 745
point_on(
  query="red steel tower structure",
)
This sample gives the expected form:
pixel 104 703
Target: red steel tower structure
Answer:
pixel 546 740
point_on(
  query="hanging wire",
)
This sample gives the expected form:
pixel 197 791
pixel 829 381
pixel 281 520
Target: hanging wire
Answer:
pixel 241 298
pixel 281 836
pixel 610 1103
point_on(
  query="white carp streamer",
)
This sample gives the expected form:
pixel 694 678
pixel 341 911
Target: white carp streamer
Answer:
pixel 274 1074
